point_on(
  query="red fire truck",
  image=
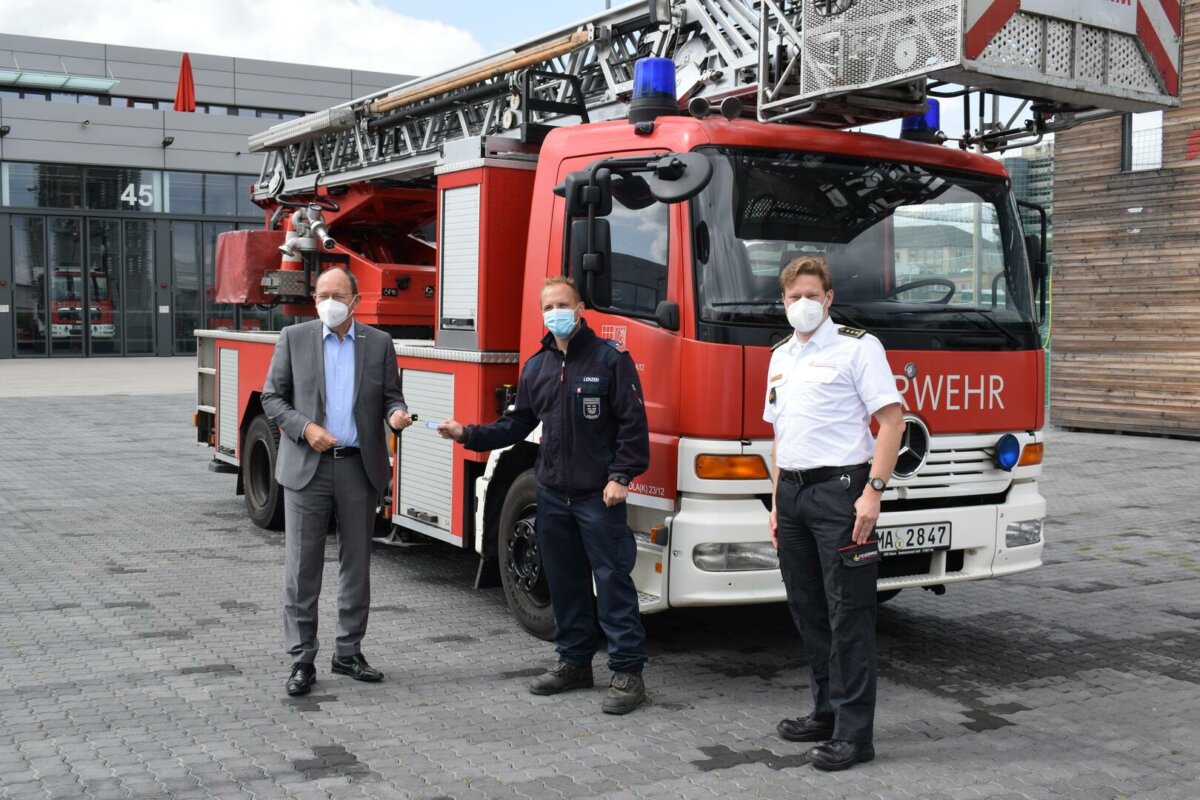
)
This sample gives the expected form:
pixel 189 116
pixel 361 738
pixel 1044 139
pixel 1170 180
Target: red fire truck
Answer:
pixel 68 314
pixel 452 198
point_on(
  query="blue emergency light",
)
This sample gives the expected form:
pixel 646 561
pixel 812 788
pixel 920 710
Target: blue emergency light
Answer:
pixel 1008 451
pixel 923 127
pixel 653 89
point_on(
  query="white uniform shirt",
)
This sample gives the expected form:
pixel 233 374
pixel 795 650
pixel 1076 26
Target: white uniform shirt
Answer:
pixel 821 396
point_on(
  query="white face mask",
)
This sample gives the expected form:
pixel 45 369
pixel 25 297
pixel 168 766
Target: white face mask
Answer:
pixel 332 312
pixel 805 314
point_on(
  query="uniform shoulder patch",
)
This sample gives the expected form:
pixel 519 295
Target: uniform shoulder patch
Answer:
pixel 614 344
pixel 856 333
pixel 782 342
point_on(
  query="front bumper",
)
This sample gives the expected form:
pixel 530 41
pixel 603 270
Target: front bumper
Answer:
pixel 977 547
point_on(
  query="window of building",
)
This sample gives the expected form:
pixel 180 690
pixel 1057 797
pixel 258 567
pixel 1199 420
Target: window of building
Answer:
pixel 123 189
pixel 220 195
pixel 42 185
pixel 1142 141
pixel 184 192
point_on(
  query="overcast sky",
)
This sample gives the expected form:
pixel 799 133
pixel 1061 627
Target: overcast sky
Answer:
pixel 402 36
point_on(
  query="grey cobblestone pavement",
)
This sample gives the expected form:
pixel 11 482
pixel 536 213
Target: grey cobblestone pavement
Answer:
pixel 140 652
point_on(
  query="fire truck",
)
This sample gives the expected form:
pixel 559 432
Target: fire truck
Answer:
pixel 672 157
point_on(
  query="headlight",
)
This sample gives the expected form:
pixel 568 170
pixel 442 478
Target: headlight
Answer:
pixel 735 557
pixel 1023 533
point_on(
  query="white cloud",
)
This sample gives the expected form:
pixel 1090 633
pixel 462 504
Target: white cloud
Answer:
pixel 353 34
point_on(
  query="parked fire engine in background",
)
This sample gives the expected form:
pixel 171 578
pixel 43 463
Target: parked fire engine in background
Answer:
pixel 452 198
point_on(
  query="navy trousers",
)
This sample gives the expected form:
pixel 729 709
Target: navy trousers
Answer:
pixel 832 599
pixel 581 538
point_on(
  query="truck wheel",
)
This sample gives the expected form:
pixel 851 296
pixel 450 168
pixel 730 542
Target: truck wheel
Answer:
pixel 264 496
pixel 521 572
pixel 885 595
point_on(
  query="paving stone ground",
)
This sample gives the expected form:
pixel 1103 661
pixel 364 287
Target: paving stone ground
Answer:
pixel 140 652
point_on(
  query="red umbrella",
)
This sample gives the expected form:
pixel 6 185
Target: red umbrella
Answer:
pixel 185 93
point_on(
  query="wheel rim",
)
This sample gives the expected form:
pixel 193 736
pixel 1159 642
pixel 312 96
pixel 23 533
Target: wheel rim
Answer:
pixel 259 473
pixel 524 559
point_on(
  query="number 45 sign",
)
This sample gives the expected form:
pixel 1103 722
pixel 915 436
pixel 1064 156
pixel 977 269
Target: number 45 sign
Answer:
pixel 138 195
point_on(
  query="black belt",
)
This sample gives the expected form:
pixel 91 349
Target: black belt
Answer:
pixel 806 477
pixel 342 452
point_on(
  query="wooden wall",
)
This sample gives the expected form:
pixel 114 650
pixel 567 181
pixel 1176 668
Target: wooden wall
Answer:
pixel 1125 346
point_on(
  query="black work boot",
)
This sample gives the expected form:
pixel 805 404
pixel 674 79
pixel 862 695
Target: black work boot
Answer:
pixel 562 677
pixel 625 693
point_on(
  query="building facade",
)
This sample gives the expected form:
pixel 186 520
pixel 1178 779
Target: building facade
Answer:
pixel 1125 347
pixel 111 201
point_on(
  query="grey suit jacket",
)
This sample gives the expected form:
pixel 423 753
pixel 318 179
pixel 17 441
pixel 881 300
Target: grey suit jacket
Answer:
pixel 294 395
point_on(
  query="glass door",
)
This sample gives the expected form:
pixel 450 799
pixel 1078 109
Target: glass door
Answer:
pixel 67 279
pixel 31 316
pixel 187 282
pixel 104 287
pixel 138 312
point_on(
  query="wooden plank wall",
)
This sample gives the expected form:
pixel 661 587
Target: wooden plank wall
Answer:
pixel 1125 346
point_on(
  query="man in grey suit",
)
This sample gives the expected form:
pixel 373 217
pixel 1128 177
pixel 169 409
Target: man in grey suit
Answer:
pixel 331 384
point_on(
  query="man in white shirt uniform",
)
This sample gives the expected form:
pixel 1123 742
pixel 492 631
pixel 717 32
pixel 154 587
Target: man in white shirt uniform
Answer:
pixel 823 386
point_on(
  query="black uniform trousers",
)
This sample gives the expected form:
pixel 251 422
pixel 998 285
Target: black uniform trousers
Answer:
pixel 580 538
pixel 832 598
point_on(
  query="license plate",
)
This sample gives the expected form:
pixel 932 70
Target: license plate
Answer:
pixel 899 539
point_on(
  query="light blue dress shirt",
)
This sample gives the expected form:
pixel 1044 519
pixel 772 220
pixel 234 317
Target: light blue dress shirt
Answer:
pixel 339 387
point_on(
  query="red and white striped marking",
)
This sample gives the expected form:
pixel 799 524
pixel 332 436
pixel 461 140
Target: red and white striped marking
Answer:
pixel 1158 27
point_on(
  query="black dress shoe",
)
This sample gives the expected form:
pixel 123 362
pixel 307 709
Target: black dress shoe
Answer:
pixel 356 667
pixel 838 755
pixel 804 729
pixel 302 678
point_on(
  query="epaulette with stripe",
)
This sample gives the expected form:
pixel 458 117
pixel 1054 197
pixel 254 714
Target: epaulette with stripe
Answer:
pixel 856 333
pixel 781 342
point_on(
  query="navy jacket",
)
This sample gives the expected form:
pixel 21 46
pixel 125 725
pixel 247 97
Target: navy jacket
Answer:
pixel 590 405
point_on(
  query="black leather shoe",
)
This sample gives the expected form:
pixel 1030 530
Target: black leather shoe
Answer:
pixel 838 755
pixel 356 667
pixel 562 677
pixel 302 678
pixel 804 729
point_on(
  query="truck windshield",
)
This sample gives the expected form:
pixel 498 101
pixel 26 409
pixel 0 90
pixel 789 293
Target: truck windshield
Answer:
pixel 924 258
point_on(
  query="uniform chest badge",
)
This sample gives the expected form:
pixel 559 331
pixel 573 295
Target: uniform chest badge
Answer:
pixel 771 397
pixel 591 408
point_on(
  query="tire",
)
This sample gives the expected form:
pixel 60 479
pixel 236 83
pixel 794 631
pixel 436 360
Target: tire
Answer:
pixel 521 572
pixel 263 494
pixel 885 595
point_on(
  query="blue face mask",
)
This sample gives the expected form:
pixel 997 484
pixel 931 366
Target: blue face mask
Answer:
pixel 560 322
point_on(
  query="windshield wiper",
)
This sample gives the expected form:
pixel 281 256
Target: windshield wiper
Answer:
pixel 983 315
pixel 846 318
pixel 747 303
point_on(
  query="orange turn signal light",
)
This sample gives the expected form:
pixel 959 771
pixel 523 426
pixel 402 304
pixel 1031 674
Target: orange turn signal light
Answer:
pixel 1031 455
pixel 731 468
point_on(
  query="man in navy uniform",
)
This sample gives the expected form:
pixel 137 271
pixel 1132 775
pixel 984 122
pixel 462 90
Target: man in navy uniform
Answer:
pixel 824 385
pixel 586 394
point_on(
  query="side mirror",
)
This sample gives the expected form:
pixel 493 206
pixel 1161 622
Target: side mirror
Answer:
pixel 1037 258
pixel 679 176
pixel 1035 250
pixel 580 194
pixel 590 267
pixel 667 315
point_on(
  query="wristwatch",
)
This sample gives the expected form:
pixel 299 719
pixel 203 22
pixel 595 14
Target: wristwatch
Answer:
pixel 621 479
pixel 878 484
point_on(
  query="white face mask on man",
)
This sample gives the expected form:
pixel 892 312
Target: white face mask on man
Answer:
pixel 332 312
pixel 805 315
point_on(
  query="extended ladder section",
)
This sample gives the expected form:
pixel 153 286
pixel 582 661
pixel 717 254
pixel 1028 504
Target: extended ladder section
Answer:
pixel 833 63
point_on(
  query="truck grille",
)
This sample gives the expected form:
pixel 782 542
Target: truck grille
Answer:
pixel 956 465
